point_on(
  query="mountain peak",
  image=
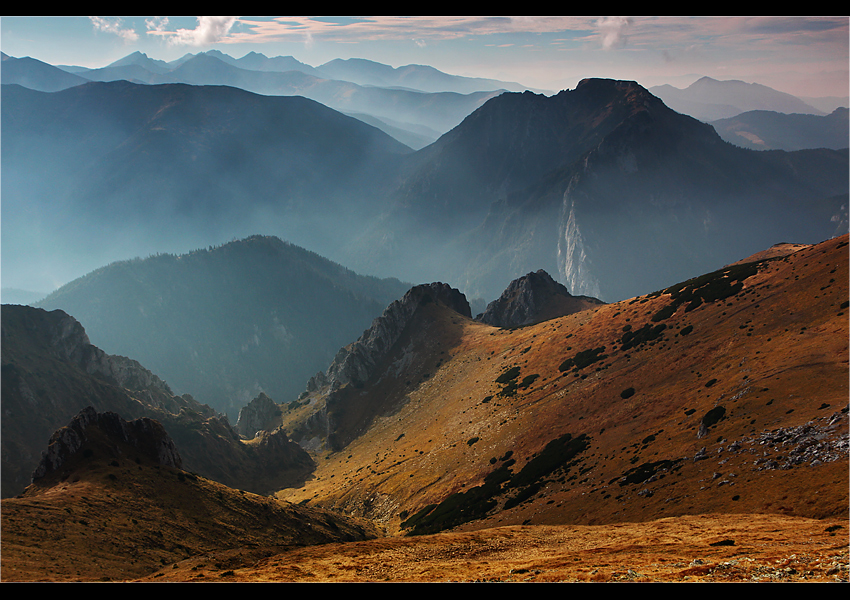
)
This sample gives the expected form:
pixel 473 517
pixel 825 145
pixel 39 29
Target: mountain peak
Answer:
pixel 356 363
pixel 533 298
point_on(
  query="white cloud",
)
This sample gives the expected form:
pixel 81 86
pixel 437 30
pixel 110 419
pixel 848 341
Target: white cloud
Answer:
pixel 114 26
pixel 209 31
pixel 613 31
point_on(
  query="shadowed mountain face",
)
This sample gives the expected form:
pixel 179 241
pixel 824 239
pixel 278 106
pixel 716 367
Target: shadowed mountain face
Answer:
pixel 105 171
pixel 226 323
pixel 604 187
pixel 533 298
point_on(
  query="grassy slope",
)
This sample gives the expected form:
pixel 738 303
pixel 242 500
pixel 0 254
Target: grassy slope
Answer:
pixel 775 354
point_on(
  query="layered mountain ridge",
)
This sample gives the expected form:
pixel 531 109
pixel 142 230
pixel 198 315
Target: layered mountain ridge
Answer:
pixel 566 183
pixel 51 373
pixel 227 323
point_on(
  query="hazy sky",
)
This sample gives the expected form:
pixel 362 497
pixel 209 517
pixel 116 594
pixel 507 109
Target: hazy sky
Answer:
pixel 806 56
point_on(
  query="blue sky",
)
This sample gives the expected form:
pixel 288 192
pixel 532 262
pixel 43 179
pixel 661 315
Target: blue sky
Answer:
pixel 806 56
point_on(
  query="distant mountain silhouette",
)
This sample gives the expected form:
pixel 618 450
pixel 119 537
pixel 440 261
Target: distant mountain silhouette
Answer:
pixel 708 99
pixel 417 77
pixel 37 75
pixel 768 130
pixel 226 323
pixel 116 170
pixel 434 100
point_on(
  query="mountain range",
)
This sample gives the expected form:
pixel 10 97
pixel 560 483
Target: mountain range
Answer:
pixel 524 182
pixel 721 396
pixel 414 98
pixel 603 186
pixel 708 99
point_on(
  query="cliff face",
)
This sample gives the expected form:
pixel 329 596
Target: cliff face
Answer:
pixel 356 362
pixel 145 436
pixel 260 414
pixel 329 414
pixel 63 337
pixel 533 298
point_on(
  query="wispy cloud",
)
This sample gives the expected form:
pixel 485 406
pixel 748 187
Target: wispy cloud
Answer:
pixel 115 27
pixel 350 29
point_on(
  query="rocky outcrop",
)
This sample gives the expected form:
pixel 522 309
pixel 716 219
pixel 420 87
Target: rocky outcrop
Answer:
pixel 533 298
pixel 51 373
pixel 146 436
pixel 258 415
pixel 64 337
pixel 356 362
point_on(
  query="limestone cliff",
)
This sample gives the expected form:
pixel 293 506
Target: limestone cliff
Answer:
pixel 327 413
pixel 261 414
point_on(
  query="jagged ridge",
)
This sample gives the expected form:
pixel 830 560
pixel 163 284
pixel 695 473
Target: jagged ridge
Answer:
pixel 356 362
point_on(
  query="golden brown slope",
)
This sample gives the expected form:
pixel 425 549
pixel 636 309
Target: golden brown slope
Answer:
pixel 704 548
pixel 112 512
pixel 765 370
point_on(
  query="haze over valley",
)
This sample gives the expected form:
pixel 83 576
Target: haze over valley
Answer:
pixel 371 310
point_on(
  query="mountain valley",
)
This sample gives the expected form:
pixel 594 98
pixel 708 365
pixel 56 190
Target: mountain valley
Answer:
pixel 722 398
pixel 361 323
pixel 227 323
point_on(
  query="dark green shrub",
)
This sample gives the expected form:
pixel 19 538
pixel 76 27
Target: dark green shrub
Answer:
pixel 523 495
pixel 557 453
pixel 647 333
pixel 508 375
pixel 527 381
pixel 643 472
pixel 583 359
pixel 627 393
pixel 713 416
pixel 664 313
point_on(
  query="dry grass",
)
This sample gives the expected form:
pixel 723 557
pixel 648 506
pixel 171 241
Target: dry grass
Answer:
pixel 736 507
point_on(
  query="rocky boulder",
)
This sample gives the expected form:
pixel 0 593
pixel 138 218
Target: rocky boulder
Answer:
pixel 261 414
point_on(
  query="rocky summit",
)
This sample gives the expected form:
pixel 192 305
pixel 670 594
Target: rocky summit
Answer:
pixel 143 437
pixel 533 298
